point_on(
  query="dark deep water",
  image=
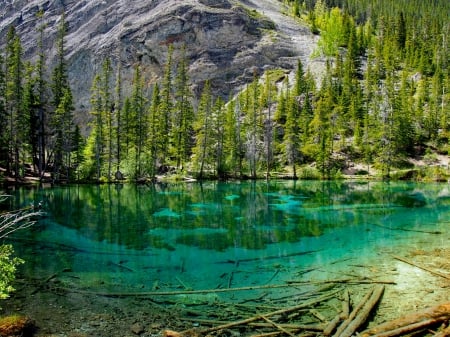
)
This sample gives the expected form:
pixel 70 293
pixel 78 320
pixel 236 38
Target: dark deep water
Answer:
pixel 167 237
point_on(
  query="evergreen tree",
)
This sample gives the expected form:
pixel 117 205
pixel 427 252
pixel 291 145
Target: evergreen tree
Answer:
pixel 118 119
pixel 202 126
pixel 61 121
pixel 166 107
pixel 4 141
pixel 13 101
pixel 183 116
pixel 41 88
pixel 30 116
pixel 291 141
pixel 96 141
pixel 139 126
pixel 154 142
pixel 231 146
pixel 253 126
pixel 107 110
pixel 218 136
pixel 63 147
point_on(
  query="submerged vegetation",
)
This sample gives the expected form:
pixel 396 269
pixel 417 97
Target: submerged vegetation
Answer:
pixel 383 99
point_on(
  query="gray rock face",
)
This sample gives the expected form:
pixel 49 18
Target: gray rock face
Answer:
pixel 226 41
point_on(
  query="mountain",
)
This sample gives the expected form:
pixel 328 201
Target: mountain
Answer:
pixel 226 41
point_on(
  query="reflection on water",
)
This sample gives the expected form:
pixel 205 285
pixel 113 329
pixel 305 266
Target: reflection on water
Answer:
pixel 124 236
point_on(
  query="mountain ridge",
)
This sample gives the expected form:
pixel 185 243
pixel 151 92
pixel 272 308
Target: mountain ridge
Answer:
pixel 226 41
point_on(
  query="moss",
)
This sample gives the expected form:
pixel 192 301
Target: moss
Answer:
pixel 16 325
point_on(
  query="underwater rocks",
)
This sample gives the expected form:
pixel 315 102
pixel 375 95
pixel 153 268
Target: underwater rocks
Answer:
pixel 137 328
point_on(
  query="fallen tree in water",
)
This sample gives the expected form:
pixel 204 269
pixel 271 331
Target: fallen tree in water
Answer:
pixel 411 323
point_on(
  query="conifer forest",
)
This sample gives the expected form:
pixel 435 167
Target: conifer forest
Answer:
pixel 382 98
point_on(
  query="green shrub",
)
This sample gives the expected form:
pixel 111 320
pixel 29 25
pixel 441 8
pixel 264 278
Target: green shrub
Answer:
pixel 8 265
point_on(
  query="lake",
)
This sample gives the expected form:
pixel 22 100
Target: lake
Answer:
pixel 97 240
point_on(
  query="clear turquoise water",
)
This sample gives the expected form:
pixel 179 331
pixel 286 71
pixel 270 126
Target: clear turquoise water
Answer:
pixel 126 238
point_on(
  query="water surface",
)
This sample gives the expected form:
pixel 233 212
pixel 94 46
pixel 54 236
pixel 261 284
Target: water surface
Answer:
pixel 172 237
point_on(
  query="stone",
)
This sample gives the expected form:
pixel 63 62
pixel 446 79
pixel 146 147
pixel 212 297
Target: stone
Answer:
pixel 137 328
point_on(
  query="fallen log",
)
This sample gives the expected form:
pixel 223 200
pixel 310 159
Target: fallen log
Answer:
pixel 342 281
pixel 345 305
pixel 434 272
pixel 408 230
pixel 427 317
pixel 443 333
pixel 273 313
pixel 415 327
pixel 272 257
pixel 363 314
pixel 279 327
pixel 331 326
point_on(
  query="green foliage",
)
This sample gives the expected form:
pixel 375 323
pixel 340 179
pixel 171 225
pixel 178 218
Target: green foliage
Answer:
pixel 379 113
pixel 8 267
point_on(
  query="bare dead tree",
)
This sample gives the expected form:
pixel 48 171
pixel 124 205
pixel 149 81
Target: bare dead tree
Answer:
pixel 15 220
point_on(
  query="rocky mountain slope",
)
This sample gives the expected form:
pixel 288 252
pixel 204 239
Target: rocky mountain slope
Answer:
pixel 226 41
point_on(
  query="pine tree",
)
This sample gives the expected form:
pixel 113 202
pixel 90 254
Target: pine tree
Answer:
pixel 3 117
pixel 41 89
pixel 217 136
pixel 118 119
pixel 231 146
pixel 183 116
pixel 63 117
pixel 166 107
pixel 154 143
pixel 13 100
pixel 253 126
pixel 61 121
pixel 96 140
pixel 30 117
pixel 291 141
pixel 77 150
pixel 321 126
pixel 139 126
pixel 202 127
pixel 107 110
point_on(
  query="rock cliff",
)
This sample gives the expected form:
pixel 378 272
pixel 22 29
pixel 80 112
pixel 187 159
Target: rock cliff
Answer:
pixel 226 41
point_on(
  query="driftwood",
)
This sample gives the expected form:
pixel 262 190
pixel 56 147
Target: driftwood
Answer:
pixel 363 314
pixel 175 292
pixel 279 327
pixel 434 272
pixel 345 281
pixel 288 284
pixel 408 230
pixel 332 325
pixel 276 333
pixel 272 257
pixel 359 315
pixel 290 326
pixel 411 322
pixel 273 313
pixel 345 305
pixel 443 333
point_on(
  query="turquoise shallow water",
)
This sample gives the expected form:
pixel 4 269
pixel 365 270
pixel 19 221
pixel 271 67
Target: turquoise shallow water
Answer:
pixel 216 235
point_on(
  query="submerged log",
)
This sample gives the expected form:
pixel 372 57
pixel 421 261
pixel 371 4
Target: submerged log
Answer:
pixel 434 272
pixel 412 322
pixel 359 315
pixel 273 313
pixel 443 333
pixel 363 314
